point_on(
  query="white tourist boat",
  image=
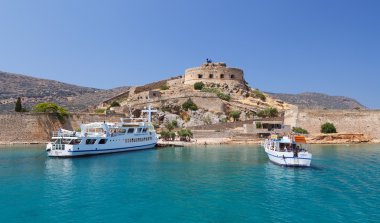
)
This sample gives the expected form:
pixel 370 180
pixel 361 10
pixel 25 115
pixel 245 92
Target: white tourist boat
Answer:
pixel 288 151
pixel 104 137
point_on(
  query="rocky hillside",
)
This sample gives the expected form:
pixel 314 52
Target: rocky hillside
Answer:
pixel 35 90
pixel 319 101
pixel 215 103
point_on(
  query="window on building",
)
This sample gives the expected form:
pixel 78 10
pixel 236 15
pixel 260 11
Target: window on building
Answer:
pixel 222 76
pixel 232 76
pixel 200 76
pixel 211 76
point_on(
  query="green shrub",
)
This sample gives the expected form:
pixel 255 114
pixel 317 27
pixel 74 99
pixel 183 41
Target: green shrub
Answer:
pixel 185 134
pixel 258 94
pixel 235 115
pixel 99 111
pixel 169 126
pixel 189 104
pixel 115 104
pixel 269 112
pixel 299 130
pixel 167 135
pixel 259 125
pixel 223 96
pixel 174 123
pixel 328 128
pixel 207 120
pixel 49 107
pixel 199 85
pixel 164 87
pixel 211 90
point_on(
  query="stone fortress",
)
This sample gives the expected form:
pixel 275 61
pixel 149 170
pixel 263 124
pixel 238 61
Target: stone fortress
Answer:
pixel 208 73
pixel 214 73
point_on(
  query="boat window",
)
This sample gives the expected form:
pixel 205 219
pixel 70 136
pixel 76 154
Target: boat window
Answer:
pixel 139 130
pixel 102 141
pixel 90 141
pixel 75 141
pixel 130 130
pixel 144 129
pixel 66 141
pixel 122 130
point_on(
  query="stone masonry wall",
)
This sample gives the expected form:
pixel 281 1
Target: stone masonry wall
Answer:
pixel 37 128
pixel 215 73
pixel 345 121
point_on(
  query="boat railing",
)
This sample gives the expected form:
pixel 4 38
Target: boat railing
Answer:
pixel 65 134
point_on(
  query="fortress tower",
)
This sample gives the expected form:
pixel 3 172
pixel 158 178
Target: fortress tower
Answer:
pixel 214 73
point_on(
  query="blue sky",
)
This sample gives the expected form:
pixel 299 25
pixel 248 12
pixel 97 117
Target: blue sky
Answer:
pixel 284 46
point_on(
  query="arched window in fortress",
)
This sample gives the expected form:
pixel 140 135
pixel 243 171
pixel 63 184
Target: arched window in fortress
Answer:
pixel 200 76
pixel 222 76
pixel 232 76
pixel 211 76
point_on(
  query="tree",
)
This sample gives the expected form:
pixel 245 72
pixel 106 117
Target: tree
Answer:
pixel 169 126
pixel 18 107
pixel 185 134
pixel 167 135
pixel 49 107
pixel 235 115
pixel 199 85
pixel 328 128
pixel 269 112
pixel 189 104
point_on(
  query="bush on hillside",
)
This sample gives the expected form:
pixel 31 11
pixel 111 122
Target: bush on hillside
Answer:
pixel 115 104
pixel 189 104
pixel 164 87
pixel 258 94
pixel 269 112
pixel 299 130
pixel 235 115
pixel 328 128
pixel 49 107
pixel 199 85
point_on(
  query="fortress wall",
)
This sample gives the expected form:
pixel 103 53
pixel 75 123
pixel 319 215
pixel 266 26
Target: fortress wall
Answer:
pixel 345 121
pixel 220 74
pixel 37 127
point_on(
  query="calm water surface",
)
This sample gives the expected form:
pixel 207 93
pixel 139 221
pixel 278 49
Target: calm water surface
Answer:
pixel 203 184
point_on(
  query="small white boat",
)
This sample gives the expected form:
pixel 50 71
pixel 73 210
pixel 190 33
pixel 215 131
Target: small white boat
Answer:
pixel 288 152
pixel 104 137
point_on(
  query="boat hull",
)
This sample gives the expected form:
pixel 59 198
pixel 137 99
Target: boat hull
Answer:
pixel 287 158
pixel 88 152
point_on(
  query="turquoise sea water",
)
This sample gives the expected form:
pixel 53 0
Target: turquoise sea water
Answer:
pixel 201 184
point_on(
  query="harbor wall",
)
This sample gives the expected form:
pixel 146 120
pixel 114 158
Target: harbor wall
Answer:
pixel 38 127
pixel 365 122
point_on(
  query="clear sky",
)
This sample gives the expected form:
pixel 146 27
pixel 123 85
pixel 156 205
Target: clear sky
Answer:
pixel 284 46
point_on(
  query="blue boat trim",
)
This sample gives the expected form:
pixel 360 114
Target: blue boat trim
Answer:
pixel 289 157
pixel 97 150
